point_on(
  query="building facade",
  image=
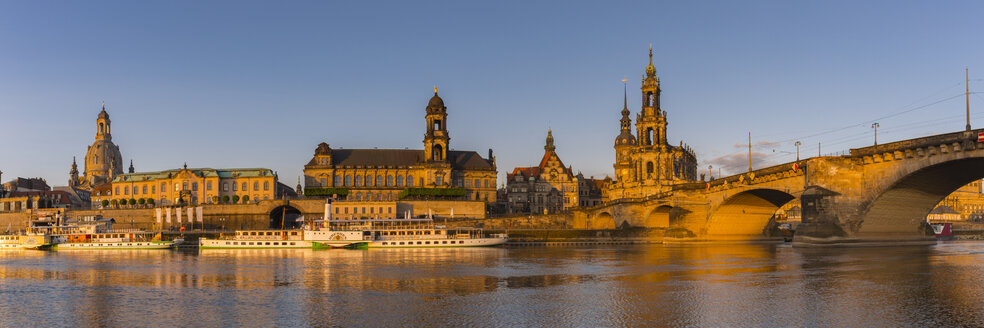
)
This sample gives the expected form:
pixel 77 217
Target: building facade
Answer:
pixel 192 186
pixel 549 187
pixel 645 163
pixel 103 161
pixel 378 175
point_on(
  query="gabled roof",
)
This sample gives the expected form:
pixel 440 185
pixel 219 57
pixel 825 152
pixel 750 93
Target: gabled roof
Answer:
pixel 535 171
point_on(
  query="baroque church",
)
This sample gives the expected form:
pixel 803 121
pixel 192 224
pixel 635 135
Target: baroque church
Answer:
pixel 383 174
pixel 103 160
pixel 645 163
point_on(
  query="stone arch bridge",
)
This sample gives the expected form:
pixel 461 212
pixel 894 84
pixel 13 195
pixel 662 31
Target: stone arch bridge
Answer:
pixel 876 195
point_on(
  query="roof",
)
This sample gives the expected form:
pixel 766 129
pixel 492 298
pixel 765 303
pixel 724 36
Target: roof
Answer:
pixel 201 172
pixel 943 209
pixel 27 183
pixel 468 160
pixel 535 171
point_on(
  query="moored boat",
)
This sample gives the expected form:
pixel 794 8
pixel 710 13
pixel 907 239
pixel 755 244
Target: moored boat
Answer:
pixel 416 233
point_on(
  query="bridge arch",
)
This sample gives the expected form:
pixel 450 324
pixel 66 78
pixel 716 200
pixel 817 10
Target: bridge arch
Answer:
pixel 603 220
pixel 658 217
pixel 284 216
pixel 903 206
pixel 746 214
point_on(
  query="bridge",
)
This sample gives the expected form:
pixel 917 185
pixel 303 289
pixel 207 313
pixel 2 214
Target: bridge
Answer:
pixel 876 195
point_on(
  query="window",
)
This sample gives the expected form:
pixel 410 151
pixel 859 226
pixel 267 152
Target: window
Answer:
pixel 477 183
pixel 194 186
pixel 324 182
pixel 358 181
pixel 153 189
pixel 256 186
pixel 126 190
pixel 486 183
pixel 468 183
pixel 163 187
pixel 409 181
pixel 368 180
pixel 225 186
pixel 389 180
pixel 379 181
pixel 421 180
pixel 184 186
pixel 244 186
pixel 266 185
pixel 235 186
pixel 117 190
pixel 208 186
pixel 338 180
pixel 438 179
pixel 399 181
pixel 348 180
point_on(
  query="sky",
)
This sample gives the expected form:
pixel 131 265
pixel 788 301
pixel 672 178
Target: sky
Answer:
pixel 227 84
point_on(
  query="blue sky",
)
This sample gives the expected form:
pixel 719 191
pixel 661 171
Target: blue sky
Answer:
pixel 260 84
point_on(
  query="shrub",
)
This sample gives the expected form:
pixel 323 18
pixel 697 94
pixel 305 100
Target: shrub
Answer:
pixel 105 202
pixel 325 191
pixel 235 199
pixel 150 201
pixel 225 199
pixel 433 192
pixel 245 199
pixel 141 201
pixel 133 201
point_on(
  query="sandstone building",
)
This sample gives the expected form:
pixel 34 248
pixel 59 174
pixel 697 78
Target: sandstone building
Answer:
pixel 549 187
pixel 192 186
pixel 103 160
pixel 645 163
pixel 392 174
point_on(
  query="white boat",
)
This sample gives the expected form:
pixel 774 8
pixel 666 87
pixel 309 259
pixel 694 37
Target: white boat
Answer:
pixel 310 237
pixel 26 241
pixel 416 233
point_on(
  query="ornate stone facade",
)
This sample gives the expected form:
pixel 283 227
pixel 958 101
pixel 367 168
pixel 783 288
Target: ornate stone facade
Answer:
pixel 382 174
pixel 192 186
pixel 547 188
pixel 645 163
pixel 103 160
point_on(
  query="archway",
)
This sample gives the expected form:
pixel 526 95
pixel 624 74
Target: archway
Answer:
pixel 603 220
pixel 746 214
pixel 903 207
pixel 285 217
pixel 659 217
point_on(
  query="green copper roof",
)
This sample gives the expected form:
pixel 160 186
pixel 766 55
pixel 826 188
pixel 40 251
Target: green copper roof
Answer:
pixel 201 172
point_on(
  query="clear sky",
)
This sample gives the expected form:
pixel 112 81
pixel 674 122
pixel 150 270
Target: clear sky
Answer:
pixel 259 84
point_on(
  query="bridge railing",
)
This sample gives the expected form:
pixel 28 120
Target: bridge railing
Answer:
pixel 935 140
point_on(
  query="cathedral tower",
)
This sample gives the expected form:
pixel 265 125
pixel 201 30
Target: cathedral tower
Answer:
pixel 436 139
pixel 625 141
pixel 651 121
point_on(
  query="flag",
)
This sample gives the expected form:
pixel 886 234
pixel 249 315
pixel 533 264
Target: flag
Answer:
pixel 182 228
pixel 452 212
pixel 168 210
pixel 158 211
pixel 327 212
pixel 179 215
pixel 191 215
pixel 198 210
pixel 795 166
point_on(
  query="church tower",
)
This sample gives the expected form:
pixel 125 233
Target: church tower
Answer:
pixel 436 139
pixel 625 142
pixel 651 121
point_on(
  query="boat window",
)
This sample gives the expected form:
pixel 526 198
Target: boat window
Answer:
pixel 384 243
pixel 250 243
pixel 427 242
pixel 401 243
pixel 227 243
pixel 418 243
pixel 444 242
pixel 268 243
pixel 276 244
pixel 292 243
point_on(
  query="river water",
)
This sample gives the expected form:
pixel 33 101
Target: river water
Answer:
pixel 596 286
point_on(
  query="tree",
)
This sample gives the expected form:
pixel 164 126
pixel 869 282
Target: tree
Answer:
pixel 225 199
pixel 150 201
pixel 105 203
pixel 133 202
pixel 235 199
pixel 141 201
pixel 246 199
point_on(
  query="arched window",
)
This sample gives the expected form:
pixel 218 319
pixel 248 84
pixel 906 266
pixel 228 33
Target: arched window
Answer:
pixel 379 181
pixel 244 186
pixel 368 180
pixel 338 181
pixel 437 155
pixel 126 190
pixel 399 181
pixel 235 186
pixel 410 181
pixel 389 180
pixel 256 186
pixel 348 180
pixel 266 185
pixel 358 181
pixel 650 137
pixel 649 170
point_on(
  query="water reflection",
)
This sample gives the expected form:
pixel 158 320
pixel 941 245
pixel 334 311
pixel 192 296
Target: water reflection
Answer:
pixel 727 285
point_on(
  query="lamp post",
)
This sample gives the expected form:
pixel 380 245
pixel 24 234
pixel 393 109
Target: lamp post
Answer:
pixel 798 150
pixel 710 175
pixel 875 126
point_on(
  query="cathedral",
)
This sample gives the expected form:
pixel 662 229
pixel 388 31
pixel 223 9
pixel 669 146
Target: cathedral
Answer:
pixel 645 163
pixel 103 160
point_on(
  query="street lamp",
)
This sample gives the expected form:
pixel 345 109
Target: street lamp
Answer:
pixel 798 150
pixel 875 126
pixel 710 175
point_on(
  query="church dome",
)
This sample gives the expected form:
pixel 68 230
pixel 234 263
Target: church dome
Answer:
pixel 625 139
pixel 436 100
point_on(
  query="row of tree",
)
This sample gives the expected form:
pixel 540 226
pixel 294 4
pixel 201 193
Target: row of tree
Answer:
pixel 149 202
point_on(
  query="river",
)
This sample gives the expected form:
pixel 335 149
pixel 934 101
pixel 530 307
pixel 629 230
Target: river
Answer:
pixel 588 286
